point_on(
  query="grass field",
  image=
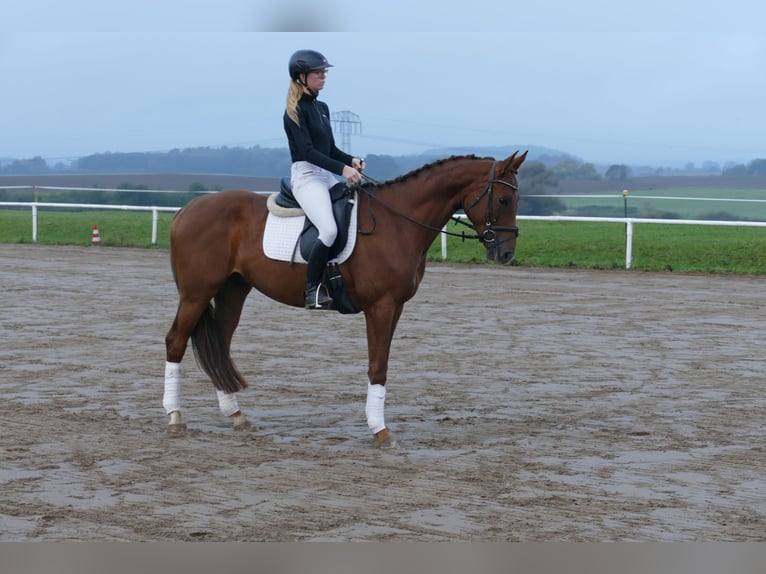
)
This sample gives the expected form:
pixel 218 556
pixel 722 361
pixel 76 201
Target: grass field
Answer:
pixel 656 247
pixel 708 202
pixel 116 228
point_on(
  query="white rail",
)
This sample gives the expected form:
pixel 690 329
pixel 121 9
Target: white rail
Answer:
pixel 36 205
pixel 628 221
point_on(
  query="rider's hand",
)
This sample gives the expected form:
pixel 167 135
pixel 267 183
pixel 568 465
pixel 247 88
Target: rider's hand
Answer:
pixel 352 175
pixel 358 163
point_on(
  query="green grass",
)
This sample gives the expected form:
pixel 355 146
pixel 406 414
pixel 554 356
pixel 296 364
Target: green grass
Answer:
pixel 656 247
pixel 56 227
pixel 640 204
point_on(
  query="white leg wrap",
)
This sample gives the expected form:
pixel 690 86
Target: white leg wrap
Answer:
pixel 376 397
pixel 227 402
pixel 171 400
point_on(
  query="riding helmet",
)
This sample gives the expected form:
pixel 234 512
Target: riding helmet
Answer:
pixel 305 61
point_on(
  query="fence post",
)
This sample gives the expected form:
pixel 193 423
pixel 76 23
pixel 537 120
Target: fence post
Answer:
pixel 628 243
pixel 625 202
pixel 34 222
pixel 155 218
pixel 444 243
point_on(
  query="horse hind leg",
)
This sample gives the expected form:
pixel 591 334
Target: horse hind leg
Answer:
pixel 176 342
pixel 228 309
pixel 211 329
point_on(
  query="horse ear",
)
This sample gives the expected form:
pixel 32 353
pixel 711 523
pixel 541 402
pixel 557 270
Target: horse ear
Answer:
pixel 513 163
pixel 517 161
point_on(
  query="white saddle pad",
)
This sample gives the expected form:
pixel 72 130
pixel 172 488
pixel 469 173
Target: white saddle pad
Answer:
pixel 281 235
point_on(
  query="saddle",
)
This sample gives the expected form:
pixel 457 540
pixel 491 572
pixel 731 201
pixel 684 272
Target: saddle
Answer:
pixel 342 203
pixel 343 200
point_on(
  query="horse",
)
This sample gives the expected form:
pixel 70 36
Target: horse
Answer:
pixel 217 258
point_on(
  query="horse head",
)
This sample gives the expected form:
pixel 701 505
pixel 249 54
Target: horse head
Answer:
pixel 493 212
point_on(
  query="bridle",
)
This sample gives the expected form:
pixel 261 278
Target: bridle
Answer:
pixel 488 236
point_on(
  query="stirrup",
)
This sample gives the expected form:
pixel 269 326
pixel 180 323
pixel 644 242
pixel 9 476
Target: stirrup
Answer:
pixel 317 298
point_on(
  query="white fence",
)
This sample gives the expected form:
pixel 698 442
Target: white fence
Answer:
pixel 36 205
pixel 628 221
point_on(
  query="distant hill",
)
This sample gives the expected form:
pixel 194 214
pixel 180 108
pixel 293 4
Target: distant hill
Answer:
pixel 232 168
pixel 575 186
pixel 536 152
pixel 255 161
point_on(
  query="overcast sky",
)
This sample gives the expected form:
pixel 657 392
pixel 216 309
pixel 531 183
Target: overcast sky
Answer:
pixel 636 82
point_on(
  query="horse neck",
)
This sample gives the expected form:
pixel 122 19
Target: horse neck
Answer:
pixel 432 197
pixel 437 195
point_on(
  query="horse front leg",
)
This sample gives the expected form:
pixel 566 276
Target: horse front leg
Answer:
pixel 381 320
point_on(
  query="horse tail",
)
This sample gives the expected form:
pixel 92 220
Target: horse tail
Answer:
pixel 211 349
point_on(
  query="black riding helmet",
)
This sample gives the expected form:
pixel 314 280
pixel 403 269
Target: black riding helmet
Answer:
pixel 305 61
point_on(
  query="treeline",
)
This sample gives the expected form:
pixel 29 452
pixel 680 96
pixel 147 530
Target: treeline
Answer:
pixel 275 162
pixel 253 161
pixel 127 194
pixel 539 176
pixel 754 168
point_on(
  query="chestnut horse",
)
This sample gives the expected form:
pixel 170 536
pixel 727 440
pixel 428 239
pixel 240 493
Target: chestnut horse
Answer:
pixel 217 257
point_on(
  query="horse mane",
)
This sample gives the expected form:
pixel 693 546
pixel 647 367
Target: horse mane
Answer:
pixel 417 171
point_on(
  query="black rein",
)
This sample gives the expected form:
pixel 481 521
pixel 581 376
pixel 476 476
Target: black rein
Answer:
pixel 488 236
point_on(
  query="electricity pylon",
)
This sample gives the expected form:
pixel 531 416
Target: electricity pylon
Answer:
pixel 346 123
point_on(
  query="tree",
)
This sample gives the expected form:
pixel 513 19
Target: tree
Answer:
pixel 736 169
pixel 573 169
pixel 34 166
pixel 535 179
pixel 711 166
pixel 617 172
pixel 757 167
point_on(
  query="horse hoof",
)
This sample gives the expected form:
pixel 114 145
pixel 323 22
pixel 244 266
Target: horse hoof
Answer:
pixel 241 423
pixel 177 429
pixel 384 439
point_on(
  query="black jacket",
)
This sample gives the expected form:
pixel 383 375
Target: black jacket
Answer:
pixel 312 140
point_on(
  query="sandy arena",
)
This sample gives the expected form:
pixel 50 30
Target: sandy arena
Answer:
pixel 528 405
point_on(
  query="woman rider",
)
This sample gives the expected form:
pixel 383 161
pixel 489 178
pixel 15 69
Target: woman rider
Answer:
pixel 316 161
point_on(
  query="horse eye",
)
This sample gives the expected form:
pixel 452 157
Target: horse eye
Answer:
pixel 503 201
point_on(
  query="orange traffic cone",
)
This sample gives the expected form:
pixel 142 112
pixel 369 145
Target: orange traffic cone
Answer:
pixel 96 239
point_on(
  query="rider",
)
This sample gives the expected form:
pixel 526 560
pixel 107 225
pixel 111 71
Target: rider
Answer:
pixel 316 162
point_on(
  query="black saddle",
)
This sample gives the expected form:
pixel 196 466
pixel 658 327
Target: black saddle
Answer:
pixel 342 203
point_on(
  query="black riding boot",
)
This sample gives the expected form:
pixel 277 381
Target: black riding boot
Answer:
pixel 316 296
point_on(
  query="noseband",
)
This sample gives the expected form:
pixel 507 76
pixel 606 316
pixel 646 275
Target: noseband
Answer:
pixel 489 235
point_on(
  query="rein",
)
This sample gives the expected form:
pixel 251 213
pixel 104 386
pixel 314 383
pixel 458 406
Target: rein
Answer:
pixel 488 236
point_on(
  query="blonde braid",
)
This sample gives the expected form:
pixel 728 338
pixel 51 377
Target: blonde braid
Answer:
pixel 293 95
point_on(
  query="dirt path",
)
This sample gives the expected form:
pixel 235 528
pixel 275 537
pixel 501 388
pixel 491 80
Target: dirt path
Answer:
pixel 529 405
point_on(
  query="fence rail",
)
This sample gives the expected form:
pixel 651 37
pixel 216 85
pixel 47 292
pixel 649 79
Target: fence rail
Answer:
pixel 36 205
pixel 628 221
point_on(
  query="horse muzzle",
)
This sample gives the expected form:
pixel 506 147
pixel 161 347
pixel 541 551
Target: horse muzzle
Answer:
pixel 500 246
pixel 502 255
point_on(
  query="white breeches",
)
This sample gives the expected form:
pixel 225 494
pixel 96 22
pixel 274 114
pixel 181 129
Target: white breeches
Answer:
pixel 311 186
pixel 376 397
